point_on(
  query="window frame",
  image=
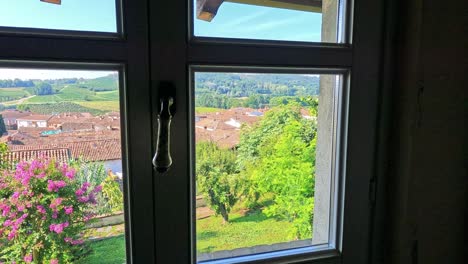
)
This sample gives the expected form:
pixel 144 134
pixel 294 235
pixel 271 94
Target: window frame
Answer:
pixel 337 177
pixel 128 53
pixel 176 50
pixel 78 34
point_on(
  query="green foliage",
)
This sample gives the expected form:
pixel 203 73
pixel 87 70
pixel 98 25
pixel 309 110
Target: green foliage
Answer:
pixel 112 194
pixel 3 150
pixel 110 200
pixel 217 177
pixel 277 155
pixel 2 126
pixel 16 83
pixel 43 88
pixel 226 90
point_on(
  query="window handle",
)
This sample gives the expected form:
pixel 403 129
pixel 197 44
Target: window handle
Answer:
pixel 162 160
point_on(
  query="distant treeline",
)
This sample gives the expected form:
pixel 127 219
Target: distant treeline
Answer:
pixel 106 83
pixel 16 83
pixel 226 90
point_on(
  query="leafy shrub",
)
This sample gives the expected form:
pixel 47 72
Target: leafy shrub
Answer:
pixel 43 210
pixel 278 157
pixel 217 178
pixel 112 194
pixel 110 200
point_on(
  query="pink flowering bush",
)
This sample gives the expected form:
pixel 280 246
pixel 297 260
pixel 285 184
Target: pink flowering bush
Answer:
pixel 43 211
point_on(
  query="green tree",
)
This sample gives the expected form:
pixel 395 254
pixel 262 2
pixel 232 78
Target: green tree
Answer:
pixel 43 88
pixel 285 169
pixel 217 177
pixel 2 126
pixel 278 157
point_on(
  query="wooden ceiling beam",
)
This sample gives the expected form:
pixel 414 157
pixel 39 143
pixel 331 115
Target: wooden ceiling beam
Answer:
pixel 57 2
pixel 207 9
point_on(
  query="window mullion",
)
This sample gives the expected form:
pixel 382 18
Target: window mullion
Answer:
pixel 47 48
pixel 286 56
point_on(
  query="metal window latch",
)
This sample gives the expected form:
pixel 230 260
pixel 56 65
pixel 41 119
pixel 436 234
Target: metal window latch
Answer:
pixel 162 160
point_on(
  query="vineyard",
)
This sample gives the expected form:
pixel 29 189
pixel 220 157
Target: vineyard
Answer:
pixel 56 108
pixel 102 105
pixel 10 94
pixel 74 93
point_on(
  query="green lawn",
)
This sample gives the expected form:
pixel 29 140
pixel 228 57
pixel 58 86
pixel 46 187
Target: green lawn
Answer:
pixel 212 235
pixel 242 231
pixel 107 251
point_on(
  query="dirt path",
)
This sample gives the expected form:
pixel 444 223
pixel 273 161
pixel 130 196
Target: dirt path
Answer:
pixel 19 101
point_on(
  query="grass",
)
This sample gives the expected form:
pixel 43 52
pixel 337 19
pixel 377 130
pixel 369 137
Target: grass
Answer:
pixel 242 231
pixel 205 110
pixel 106 251
pixel 248 230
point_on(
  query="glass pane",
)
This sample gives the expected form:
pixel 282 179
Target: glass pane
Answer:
pixel 290 20
pixel 83 15
pixel 61 176
pixel 264 145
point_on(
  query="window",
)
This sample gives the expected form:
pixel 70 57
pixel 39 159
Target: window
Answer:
pixel 264 161
pixel 63 177
pixel 87 15
pixel 173 68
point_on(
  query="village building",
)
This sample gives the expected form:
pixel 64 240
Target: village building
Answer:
pixel 33 121
pixel 10 118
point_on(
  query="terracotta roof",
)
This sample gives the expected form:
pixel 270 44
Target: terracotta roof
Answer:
pixel 14 114
pixel 94 150
pixel 224 138
pixel 35 118
pixel 59 154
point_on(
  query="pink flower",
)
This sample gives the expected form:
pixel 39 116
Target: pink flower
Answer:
pixel 68 209
pixel 6 210
pixel 79 192
pixel 54 261
pixel 58 228
pixel 41 209
pixel 7 223
pixel 54 186
pixel 55 203
pixel 28 258
pixel 70 174
pixel 15 195
pixel 68 239
pixel 97 189
pixel 77 242
pixel 12 234
pixel 83 199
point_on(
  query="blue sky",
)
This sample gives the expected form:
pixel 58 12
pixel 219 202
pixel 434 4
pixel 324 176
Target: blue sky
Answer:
pixel 256 22
pixel 232 21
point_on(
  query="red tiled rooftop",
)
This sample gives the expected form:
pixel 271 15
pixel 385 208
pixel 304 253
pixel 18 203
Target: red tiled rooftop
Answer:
pixel 58 154
pixel 94 150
